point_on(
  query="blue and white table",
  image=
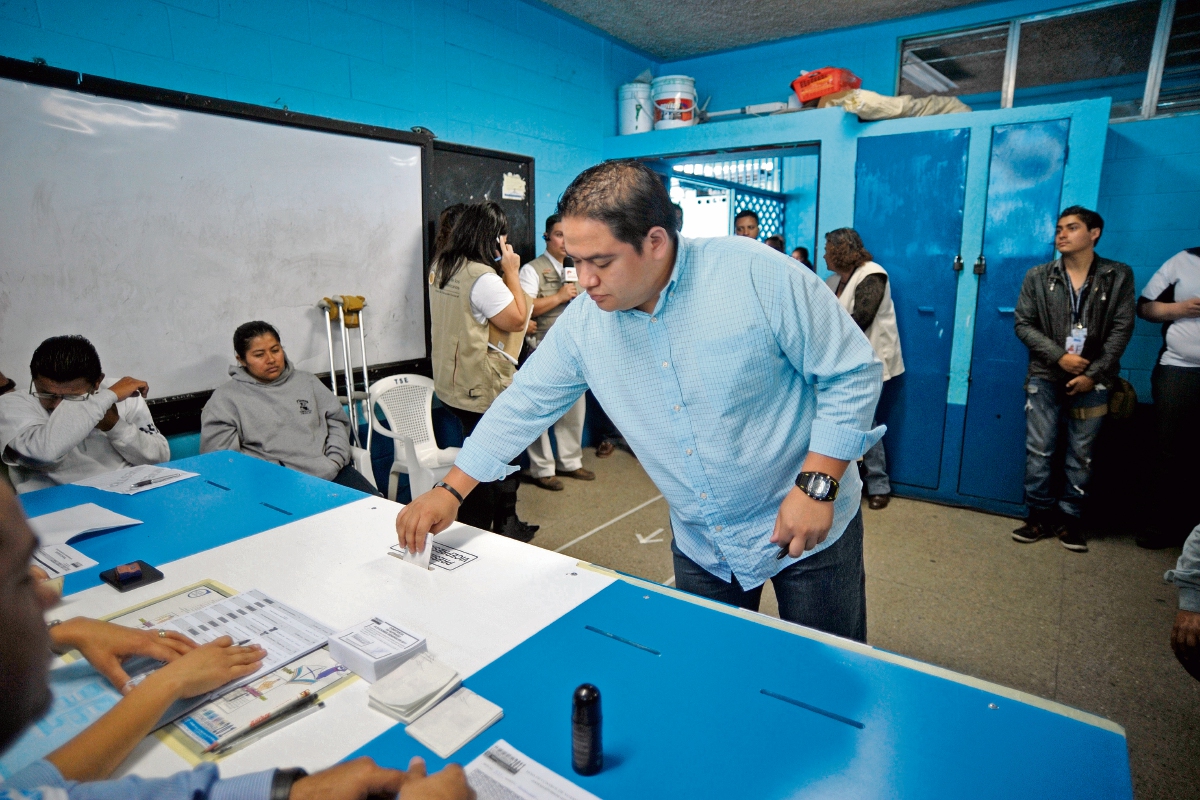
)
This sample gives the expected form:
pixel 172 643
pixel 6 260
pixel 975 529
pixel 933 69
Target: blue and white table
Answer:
pixel 700 700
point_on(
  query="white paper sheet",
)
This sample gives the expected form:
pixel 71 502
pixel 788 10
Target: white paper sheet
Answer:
pixel 61 559
pixel 503 772
pixel 133 480
pixel 455 721
pixel 59 527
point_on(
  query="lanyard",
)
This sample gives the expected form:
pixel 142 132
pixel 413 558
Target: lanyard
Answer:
pixel 1079 301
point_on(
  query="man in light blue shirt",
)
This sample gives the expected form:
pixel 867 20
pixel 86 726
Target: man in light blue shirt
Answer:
pixel 740 382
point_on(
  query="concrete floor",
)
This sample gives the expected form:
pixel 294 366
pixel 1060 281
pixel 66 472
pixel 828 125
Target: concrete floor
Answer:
pixel 950 587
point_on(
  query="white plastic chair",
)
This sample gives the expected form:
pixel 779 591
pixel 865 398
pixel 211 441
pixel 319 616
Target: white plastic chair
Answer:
pixel 407 405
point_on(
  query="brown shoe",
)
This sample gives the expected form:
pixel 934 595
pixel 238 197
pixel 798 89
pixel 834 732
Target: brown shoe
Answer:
pixel 605 449
pixel 878 501
pixel 580 474
pixel 552 483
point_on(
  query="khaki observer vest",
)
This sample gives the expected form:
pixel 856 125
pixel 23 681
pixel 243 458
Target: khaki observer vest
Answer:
pixel 466 373
pixel 882 332
pixel 549 282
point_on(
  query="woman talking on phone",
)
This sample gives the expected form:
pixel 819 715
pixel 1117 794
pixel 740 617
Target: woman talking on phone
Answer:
pixel 479 313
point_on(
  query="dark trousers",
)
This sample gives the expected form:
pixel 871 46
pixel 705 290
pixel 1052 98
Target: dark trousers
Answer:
pixel 1176 392
pixel 353 479
pixel 491 503
pixel 826 591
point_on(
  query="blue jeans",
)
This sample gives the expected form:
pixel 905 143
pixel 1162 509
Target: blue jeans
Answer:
pixel 826 591
pixel 874 461
pixel 1048 408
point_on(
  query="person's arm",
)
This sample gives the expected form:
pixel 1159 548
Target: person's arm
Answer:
pixel 97 752
pixel 828 349
pixel 1156 311
pixel 106 645
pixel 137 439
pixel 1028 327
pixel 868 296
pixel 513 317
pixel 32 441
pixel 1185 634
pixel 541 392
pixel 337 426
pixel 219 426
pixel 1124 316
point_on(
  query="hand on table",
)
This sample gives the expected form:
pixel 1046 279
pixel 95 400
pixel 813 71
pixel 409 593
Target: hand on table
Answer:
pixel 49 592
pixel 802 523
pixel 449 784
pixel 208 667
pixel 1185 641
pixel 1073 364
pixel 1081 384
pixel 106 645
pixel 359 779
pixel 431 512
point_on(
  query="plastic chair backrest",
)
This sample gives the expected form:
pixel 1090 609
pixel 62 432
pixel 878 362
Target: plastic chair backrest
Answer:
pixel 407 403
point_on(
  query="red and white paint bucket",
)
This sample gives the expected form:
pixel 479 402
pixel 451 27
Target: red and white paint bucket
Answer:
pixel 674 99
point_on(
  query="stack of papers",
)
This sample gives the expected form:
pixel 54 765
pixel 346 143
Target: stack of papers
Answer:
pixel 132 480
pixel 455 721
pixel 374 648
pixel 413 688
pixel 503 771
pixel 60 527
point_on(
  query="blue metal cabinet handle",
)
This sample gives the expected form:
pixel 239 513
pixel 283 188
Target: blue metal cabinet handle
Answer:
pixel 924 309
pixel 1006 310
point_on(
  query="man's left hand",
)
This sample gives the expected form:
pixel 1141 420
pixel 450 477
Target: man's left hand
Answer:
pixel 1080 384
pixel 803 523
pixel 1185 641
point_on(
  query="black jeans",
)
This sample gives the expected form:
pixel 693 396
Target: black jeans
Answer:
pixel 826 591
pixel 491 503
pixel 353 479
pixel 1177 420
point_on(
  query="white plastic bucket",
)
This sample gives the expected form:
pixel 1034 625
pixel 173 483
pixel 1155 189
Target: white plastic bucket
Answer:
pixel 634 109
pixel 674 99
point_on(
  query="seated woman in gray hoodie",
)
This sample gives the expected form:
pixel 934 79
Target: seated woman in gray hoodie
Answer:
pixel 272 411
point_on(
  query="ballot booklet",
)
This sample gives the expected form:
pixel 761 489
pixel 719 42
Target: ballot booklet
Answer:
pixel 413 688
pixel 455 721
pixel 502 772
pixel 230 720
pixel 373 648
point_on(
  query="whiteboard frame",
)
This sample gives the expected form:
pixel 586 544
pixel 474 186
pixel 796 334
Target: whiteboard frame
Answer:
pixel 181 413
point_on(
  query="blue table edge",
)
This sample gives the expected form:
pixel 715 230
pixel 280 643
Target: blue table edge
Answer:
pixel 1052 706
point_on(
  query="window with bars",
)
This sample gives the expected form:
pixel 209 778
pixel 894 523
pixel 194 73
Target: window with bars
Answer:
pixel 1144 54
pixel 768 209
pixel 759 173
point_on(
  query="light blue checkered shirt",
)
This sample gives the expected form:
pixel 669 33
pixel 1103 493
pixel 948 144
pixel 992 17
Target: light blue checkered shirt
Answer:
pixel 746 363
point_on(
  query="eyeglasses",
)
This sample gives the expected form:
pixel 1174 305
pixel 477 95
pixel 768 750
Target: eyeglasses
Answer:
pixel 70 398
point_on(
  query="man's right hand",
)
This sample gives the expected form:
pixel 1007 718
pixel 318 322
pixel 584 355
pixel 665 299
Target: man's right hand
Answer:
pixel 1190 308
pixel 1073 364
pixel 432 512
pixel 359 779
pixel 127 387
pixel 449 784
pixel 1185 641
pixel 567 293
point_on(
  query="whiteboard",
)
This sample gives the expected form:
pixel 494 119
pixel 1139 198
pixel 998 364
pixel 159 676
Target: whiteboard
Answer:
pixel 156 231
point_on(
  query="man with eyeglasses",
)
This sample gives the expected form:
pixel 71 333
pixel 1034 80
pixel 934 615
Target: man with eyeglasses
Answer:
pixel 71 424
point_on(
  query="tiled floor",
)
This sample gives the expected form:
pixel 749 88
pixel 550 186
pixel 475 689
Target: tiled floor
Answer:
pixel 948 586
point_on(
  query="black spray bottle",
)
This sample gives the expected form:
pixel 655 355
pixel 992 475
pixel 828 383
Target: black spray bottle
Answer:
pixel 587 750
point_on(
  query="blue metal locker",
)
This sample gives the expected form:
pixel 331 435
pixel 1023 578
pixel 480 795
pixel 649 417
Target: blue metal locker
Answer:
pixel 908 208
pixel 1025 180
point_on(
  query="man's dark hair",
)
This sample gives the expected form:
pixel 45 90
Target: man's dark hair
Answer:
pixel 248 332
pixel 1087 216
pixel 803 251
pixel 552 220
pixel 775 243
pixel 745 212
pixel 678 216
pixel 625 195
pixel 474 238
pixel 65 358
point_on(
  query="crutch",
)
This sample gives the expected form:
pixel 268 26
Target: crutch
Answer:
pixel 352 316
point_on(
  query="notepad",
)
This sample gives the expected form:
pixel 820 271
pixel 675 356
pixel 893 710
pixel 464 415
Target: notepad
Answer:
pixel 413 688
pixel 455 721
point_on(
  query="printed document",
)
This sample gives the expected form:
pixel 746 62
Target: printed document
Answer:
pixel 132 480
pixel 503 772
pixel 61 559
pixel 59 527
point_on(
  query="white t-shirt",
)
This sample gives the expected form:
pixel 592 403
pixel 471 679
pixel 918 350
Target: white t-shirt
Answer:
pixel 529 277
pixel 1182 271
pixel 490 295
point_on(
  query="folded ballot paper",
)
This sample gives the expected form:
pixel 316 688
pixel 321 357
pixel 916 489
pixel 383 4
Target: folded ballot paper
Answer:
pixel 455 721
pixel 413 688
pixel 374 648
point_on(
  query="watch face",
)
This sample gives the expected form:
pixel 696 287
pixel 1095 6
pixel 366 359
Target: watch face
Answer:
pixel 819 486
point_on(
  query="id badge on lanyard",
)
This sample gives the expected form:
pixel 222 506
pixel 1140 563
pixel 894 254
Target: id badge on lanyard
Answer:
pixel 1076 339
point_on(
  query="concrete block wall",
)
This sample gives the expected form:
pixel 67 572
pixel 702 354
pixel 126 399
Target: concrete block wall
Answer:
pixel 499 74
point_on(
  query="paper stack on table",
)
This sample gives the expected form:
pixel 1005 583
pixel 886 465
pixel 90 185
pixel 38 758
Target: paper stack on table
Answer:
pixel 503 771
pixel 413 688
pixel 455 721
pixel 374 648
pixel 61 526
pixel 132 480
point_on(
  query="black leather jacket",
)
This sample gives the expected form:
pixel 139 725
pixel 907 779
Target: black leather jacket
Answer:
pixel 1043 319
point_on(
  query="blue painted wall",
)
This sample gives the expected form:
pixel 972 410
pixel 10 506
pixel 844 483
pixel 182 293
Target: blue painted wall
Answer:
pixel 500 74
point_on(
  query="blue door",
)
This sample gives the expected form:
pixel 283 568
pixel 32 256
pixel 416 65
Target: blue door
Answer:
pixel 1025 178
pixel 908 208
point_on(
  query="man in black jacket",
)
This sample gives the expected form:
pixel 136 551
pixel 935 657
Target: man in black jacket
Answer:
pixel 1075 315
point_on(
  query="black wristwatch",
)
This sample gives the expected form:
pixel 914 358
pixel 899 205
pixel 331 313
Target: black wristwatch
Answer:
pixel 281 784
pixel 818 486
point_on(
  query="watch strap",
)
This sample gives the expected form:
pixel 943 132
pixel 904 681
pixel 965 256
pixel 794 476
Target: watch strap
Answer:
pixel 281 782
pixel 805 480
pixel 450 489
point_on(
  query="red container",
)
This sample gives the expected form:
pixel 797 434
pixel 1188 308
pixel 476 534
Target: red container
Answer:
pixel 826 80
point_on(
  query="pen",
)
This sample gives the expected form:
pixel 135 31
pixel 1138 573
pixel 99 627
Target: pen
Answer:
pixel 151 481
pixel 302 707
pixel 783 553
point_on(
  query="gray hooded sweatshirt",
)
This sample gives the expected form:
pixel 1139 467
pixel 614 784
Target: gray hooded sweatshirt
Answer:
pixel 294 421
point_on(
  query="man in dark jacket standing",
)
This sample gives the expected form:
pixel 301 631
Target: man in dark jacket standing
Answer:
pixel 1075 315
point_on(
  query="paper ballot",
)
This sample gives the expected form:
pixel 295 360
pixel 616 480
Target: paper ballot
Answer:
pixel 502 772
pixel 455 721
pixel 61 559
pixel 420 559
pixel 374 648
pixel 413 688
pixel 60 527
pixel 133 480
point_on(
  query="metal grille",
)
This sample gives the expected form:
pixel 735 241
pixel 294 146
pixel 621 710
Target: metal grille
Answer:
pixel 406 407
pixel 1181 72
pixel 769 210
pixel 759 173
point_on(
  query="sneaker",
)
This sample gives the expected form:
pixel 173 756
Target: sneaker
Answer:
pixel 516 529
pixel 1032 531
pixel 580 474
pixel 1070 536
pixel 551 483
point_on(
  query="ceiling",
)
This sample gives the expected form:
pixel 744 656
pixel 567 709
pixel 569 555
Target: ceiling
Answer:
pixel 675 29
